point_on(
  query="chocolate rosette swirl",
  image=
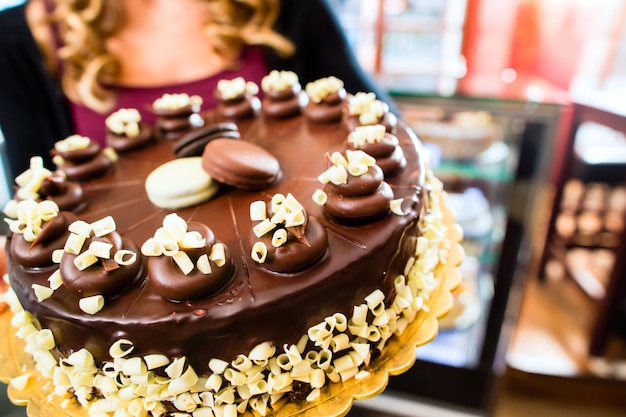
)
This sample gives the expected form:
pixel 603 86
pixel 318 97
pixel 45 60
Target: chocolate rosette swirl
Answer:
pixel 283 95
pixel 39 183
pixel 186 261
pixel 125 132
pixel 38 229
pixel 81 158
pixel 99 261
pixel 326 100
pixel 355 191
pixel 381 145
pixel 364 109
pixel 286 239
pixel 176 114
pixel 237 99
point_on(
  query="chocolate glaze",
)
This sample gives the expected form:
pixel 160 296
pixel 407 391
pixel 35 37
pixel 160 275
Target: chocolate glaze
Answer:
pixel 257 304
pixel 359 209
pixel 389 156
pixel 329 110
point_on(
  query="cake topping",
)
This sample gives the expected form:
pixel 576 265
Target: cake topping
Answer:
pixel 380 144
pixel 125 132
pixel 193 142
pixel 177 114
pixel 186 262
pixel 97 260
pixel 240 164
pixel 42 227
pixel 364 109
pixel 81 158
pixel 286 238
pixel 283 94
pixel 180 183
pixel 237 98
pixel 326 103
pixel 354 190
pixel 37 183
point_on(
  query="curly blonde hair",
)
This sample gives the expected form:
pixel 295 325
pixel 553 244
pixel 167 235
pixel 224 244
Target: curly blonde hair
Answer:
pixel 84 25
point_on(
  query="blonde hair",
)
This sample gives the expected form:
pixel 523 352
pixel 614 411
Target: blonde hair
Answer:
pixel 84 25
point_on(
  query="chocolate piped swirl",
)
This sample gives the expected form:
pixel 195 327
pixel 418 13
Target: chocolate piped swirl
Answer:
pixel 389 156
pixel 122 143
pixel 363 199
pixel 38 253
pixel 328 110
pixel 304 246
pixel 83 164
pixel 68 195
pixel 284 103
pixel 106 277
pixel 240 107
pixel 167 279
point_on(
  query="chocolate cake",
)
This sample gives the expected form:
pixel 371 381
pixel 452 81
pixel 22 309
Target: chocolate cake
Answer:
pixel 264 289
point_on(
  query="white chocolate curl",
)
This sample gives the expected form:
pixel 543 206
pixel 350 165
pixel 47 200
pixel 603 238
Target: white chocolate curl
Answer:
pixel 279 80
pixel 31 216
pixel 366 134
pixel 30 181
pixel 72 143
pixel 230 89
pixel 176 101
pixel 91 305
pixel 323 87
pixel 124 122
pixel 174 236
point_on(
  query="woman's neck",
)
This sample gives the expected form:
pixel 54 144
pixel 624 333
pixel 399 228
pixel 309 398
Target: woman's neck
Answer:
pixel 163 42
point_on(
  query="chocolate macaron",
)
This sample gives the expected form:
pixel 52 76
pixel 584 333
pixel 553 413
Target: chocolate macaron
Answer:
pixel 240 164
pixel 193 142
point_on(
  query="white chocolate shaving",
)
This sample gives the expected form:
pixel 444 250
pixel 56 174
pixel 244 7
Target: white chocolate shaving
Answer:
pixel 323 87
pixel 100 249
pixel 125 257
pixel 279 238
pixel 204 265
pixel 184 262
pixel 279 80
pixel 20 382
pixel 218 254
pixel 396 206
pixel 55 280
pixel 229 89
pixel 176 101
pixel 258 211
pixel 259 252
pixel 121 348
pixel 72 143
pixel 103 226
pixel 320 197
pixel 124 122
pixel 42 293
pixel 362 135
pixel 85 260
pixel 264 227
pixel 91 305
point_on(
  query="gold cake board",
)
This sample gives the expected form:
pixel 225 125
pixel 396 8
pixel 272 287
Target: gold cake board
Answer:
pixel 335 399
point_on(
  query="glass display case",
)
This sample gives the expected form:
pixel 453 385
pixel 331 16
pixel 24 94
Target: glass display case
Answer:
pixel 496 179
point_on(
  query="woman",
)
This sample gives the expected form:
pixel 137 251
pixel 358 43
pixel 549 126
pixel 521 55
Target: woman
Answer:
pixel 66 64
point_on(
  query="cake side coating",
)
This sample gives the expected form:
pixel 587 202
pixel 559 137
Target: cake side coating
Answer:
pixel 257 307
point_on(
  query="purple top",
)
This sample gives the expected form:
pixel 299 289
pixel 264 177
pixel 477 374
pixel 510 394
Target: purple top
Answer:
pixel 91 124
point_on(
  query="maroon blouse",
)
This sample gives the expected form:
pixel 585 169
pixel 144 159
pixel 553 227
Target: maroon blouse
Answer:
pixel 91 124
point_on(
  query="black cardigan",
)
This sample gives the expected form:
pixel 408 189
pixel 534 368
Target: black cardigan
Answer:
pixel 34 112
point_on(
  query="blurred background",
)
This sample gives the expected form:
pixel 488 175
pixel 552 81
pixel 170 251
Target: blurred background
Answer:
pixel 521 106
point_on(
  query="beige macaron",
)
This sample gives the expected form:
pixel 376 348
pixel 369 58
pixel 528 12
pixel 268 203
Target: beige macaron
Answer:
pixel 180 183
